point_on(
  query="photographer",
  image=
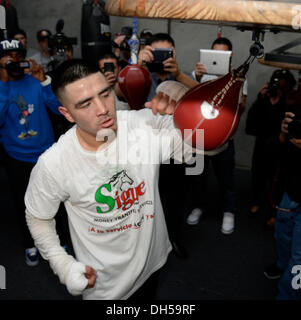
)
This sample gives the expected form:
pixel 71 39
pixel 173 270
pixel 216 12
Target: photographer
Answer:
pixel 61 46
pixel 43 57
pixel 25 125
pixel 288 221
pixel 165 68
pixel 264 122
pixel 121 47
pixel 54 48
pixel 145 36
pixel 108 65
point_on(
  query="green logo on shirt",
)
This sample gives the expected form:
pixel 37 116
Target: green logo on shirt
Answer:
pixel 124 197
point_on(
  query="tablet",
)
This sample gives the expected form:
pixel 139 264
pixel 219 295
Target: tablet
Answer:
pixel 216 62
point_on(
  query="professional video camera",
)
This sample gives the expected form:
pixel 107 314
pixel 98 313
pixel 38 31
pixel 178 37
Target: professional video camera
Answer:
pixel 59 44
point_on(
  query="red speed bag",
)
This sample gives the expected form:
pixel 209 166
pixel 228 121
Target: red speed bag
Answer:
pixel 212 106
pixel 134 82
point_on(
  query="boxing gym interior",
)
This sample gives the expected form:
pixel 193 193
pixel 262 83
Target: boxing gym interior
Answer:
pixel 216 266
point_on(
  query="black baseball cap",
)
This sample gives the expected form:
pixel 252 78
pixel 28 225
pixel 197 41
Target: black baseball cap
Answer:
pixel 125 31
pixel 283 74
pixel 146 32
pixel 43 34
pixel 11 45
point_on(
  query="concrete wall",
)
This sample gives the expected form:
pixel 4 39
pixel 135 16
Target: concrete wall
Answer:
pixel 189 38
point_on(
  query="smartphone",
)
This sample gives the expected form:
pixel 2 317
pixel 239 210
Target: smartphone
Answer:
pixel 160 55
pixel 143 42
pixel 108 67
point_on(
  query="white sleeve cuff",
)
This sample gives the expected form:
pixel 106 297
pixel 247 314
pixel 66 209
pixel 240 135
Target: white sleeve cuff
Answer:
pixel 193 75
pixel 46 82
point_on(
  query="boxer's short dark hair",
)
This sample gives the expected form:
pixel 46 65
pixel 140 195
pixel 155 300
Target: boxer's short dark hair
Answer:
pixel 70 71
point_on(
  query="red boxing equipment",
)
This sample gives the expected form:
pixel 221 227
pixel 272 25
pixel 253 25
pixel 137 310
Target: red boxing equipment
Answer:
pixel 212 106
pixel 134 82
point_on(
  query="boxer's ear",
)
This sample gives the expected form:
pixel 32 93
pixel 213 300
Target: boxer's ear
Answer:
pixel 65 112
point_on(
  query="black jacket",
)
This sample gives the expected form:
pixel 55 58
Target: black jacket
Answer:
pixel 290 170
pixel 264 119
pixel 264 122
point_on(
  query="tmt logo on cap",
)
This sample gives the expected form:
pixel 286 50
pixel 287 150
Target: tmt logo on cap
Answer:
pixel 10 44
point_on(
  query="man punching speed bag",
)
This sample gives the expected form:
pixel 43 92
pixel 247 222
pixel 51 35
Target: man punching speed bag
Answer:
pixel 95 30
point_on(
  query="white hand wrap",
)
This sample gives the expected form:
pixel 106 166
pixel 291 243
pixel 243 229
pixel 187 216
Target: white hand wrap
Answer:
pixel 174 89
pixel 76 281
pixel 69 271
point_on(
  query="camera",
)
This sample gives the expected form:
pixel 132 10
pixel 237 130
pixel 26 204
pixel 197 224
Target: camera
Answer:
pixel 124 46
pixel 108 67
pixel 160 55
pixel 294 127
pixel 273 87
pixel 17 67
pixel 144 42
pixel 59 43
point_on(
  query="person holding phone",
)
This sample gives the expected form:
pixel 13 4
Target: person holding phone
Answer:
pixel 263 121
pixel 286 147
pixel 109 66
pixel 165 67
